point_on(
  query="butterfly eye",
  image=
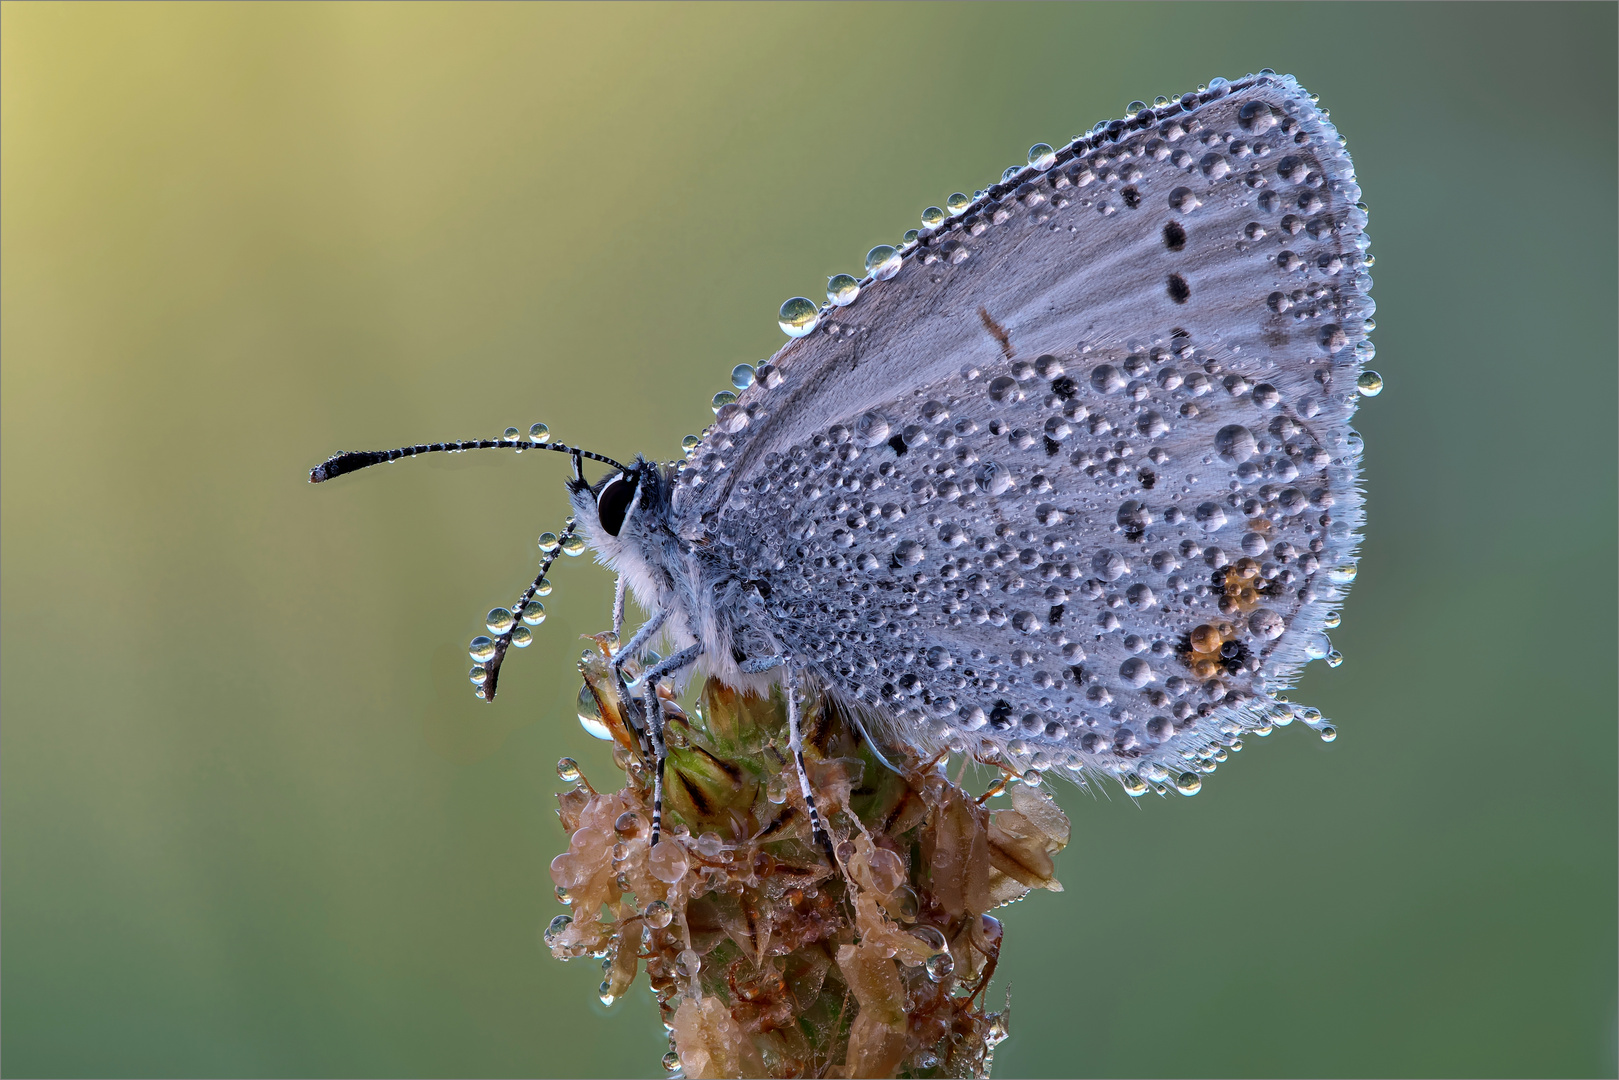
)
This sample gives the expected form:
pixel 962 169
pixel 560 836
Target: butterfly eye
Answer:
pixel 614 502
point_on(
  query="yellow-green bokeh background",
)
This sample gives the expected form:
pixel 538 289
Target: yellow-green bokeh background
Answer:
pixel 254 821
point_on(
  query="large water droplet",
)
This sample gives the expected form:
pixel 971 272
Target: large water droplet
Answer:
pixel 522 637
pixel 499 620
pixel 842 289
pixel 1370 383
pixel 721 399
pixel 933 217
pixel 742 376
pixel 1188 783
pixel 957 204
pixel 512 435
pixel 534 613
pixel 573 546
pixel 1042 157
pixel 568 773
pixel 479 674
pixel 798 317
pixel 882 262
pixel 1134 107
pixel 481 648
pixel 539 433
pixel 590 716
pixel 544 587
pixel 1134 786
pixel 658 914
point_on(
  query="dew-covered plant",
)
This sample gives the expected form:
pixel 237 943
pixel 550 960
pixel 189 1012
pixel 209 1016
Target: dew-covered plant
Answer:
pixel 868 953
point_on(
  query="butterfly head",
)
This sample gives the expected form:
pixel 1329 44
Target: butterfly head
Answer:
pixel 621 512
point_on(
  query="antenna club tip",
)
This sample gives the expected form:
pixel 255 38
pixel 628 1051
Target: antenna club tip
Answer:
pixel 318 474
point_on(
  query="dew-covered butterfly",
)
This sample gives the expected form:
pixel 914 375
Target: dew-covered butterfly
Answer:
pixel 1066 479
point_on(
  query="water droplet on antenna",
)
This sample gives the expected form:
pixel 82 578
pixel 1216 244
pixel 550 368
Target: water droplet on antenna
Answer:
pixel 481 648
pixel 882 262
pixel 798 317
pixel 842 289
pixel 499 620
pixel 539 433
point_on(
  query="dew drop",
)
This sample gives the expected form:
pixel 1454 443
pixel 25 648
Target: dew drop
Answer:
pixel 882 262
pixel 499 620
pixel 658 914
pixel 549 542
pixel 1133 108
pixel 1343 575
pixel 1042 157
pixel 671 1060
pixel 543 590
pixel 512 435
pixel 933 217
pixel 1328 733
pixel 539 433
pixel 1332 620
pixel 689 443
pixel 1188 783
pixel 798 317
pixel 957 204
pixel 590 716
pixel 842 289
pixel 742 376
pixel 1334 658
pixel 479 675
pixel 568 773
pixel 1370 384
pixel 522 637
pixel 940 967
pixel 1134 786
pixel 481 648
pixel 722 399
pixel 667 862
pixel 573 546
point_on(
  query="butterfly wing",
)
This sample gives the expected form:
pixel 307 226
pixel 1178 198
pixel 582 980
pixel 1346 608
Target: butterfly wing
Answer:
pixel 1078 479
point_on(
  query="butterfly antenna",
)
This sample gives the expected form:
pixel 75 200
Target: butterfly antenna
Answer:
pixel 491 666
pixel 355 460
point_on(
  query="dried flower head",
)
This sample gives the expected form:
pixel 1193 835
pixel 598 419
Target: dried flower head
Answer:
pixel 770 956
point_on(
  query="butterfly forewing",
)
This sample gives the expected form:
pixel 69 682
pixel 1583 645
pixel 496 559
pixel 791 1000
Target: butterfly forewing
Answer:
pixel 1078 479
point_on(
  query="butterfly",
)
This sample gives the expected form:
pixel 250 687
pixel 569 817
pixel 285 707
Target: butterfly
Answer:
pixel 1066 480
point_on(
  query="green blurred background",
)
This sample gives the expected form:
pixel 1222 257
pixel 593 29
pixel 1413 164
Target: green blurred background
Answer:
pixel 254 820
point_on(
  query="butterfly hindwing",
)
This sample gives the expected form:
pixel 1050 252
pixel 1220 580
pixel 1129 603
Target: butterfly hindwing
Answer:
pixel 1078 479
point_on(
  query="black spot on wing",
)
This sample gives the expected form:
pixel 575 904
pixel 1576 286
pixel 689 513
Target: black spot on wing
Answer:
pixel 1179 291
pixel 1174 235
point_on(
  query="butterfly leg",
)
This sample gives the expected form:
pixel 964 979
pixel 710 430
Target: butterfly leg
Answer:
pixel 618 606
pixel 632 649
pixel 795 743
pixel 654 726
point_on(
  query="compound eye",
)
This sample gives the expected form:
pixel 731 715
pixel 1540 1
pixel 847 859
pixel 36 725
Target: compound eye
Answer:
pixel 614 502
